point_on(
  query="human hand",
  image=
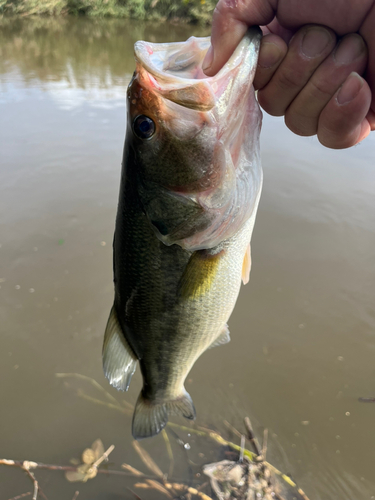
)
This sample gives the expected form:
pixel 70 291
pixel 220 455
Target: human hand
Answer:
pixel 303 72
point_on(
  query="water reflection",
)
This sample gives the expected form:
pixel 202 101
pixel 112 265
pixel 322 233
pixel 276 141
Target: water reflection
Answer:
pixel 79 51
pixel 303 343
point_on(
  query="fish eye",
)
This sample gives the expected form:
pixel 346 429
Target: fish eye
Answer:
pixel 143 127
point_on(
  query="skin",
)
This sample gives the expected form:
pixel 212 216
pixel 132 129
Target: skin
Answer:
pixel 316 65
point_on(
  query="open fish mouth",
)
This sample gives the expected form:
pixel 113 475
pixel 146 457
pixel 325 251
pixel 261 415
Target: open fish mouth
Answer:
pixel 175 69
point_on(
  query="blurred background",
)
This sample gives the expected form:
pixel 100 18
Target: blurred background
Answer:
pixel 187 11
pixel 303 337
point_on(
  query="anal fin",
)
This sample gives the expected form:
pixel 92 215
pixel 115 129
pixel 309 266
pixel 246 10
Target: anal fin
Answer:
pixel 246 266
pixel 119 361
pixel 223 338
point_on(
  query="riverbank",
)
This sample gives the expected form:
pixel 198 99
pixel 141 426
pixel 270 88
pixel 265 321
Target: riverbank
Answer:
pixel 189 11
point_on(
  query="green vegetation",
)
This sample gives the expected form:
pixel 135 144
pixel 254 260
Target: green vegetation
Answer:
pixel 79 50
pixel 193 11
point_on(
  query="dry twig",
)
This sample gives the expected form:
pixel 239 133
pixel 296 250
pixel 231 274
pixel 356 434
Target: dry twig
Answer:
pixel 91 381
pixel 278 496
pixel 233 429
pixel 135 494
pixel 181 488
pixel 134 472
pixel 26 466
pixel 169 451
pixel 303 494
pixel 242 448
pixel 157 486
pixel 147 460
pixel 38 465
pixel 204 432
pixel 265 441
pixel 23 495
pixel 251 436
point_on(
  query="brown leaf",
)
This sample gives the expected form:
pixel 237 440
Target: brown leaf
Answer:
pixel 74 476
pixel 142 485
pixel 88 456
pixel 98 448
pixel 83 473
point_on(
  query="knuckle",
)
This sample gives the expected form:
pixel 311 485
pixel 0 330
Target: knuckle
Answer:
pixel 320 90
pixel 267 100
pixel 299 125
pixel 333 142
pixel 229 8
pixel 333 134
pixel 290 80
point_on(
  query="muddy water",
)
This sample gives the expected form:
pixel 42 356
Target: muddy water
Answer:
pixel 303 331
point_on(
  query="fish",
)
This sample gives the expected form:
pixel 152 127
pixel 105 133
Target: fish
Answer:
pixel 190 186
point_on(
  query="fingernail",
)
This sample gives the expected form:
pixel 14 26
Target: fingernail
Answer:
pixel 207 61
pixel 269 55
pixel 349 49
pixel 350 88
pixel 315 41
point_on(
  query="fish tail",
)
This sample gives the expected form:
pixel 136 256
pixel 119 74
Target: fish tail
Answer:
pixel 150 417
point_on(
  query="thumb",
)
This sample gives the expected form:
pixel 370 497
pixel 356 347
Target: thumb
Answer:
pixel 229 24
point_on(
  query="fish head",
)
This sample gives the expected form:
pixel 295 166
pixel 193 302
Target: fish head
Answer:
pixel 192 136
pixel 172 132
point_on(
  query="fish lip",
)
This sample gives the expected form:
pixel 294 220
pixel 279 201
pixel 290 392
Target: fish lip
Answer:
pixel 146 55
pixel 143 52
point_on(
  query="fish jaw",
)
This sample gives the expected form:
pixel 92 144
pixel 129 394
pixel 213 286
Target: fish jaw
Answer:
pixel 205 149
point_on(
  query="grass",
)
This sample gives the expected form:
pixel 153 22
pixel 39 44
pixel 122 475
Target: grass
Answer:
pixel 192 11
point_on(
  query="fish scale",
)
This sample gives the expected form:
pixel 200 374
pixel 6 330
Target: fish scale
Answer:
pixel 180 252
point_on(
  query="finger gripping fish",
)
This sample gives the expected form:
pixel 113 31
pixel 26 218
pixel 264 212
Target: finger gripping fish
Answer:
pixel 190 187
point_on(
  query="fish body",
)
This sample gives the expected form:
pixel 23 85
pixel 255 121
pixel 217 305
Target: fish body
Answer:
pixel 190 187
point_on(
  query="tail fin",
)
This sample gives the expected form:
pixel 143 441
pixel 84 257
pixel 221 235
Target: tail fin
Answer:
pixel 151 417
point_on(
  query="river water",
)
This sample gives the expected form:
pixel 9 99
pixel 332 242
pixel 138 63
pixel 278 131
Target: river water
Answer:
pixel 303 330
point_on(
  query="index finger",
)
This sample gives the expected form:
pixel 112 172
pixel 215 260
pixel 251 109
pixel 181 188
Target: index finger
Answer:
pixel 230 21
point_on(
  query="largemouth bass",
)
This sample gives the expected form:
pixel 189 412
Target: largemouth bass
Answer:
pixel 190 187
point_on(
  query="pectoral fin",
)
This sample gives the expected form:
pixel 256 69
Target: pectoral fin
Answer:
pixel 246 266
pixel 119 361
pixel 199 274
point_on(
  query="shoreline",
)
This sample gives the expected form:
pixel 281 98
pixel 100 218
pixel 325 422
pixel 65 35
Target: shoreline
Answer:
pixel 173 11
